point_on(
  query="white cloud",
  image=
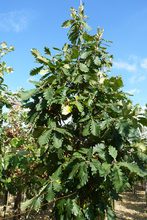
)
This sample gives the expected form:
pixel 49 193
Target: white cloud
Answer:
pixel 133 58
pixel 137 78
pixel 133 91
pixel 125 66
pixel 143 63
pixel 14 21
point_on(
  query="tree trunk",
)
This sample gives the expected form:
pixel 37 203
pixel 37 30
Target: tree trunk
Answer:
pixel 146 191
pixel 16 208
pixel 5 203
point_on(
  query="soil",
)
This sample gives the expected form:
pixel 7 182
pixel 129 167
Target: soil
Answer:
pixel 132 206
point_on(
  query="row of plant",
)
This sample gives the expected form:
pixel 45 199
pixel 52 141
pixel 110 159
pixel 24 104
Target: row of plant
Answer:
pixel 75 140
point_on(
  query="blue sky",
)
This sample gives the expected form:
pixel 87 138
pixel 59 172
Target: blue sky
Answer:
pixel 37 23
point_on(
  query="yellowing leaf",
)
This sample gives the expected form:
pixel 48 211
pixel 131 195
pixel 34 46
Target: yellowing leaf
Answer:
pixel 76 97
pixel 83 67
pixel 101 77
pixel 141 146
pixel 42 59
pixel 43 72
pixel 66 66
pixel 79 106
pixel 101 80
pixel 66 109
pixel 3 45
pixel 9 69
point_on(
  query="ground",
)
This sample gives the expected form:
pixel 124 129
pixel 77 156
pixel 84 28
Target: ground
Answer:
pixel 131 207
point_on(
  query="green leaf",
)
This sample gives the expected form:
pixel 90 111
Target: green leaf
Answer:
pixel 48 94
pixel 86 130
pixel 97 61
pixel 55 48
pixel 57 185
pixel 117 176
pixel 57 142
pixel 79 106
pixel 47 51
pixel 112 152
pixel 78 79
pixel 56 175
pixel 25 95
pixel 133 168
pixel 110 214
pixel 95 128
pixel 63 131
pixel 74 171
pixel 87 37
pixel 95 166
pixel 85 118
pixel 66 66
pixel 75 209
pixel 78 155
pixel 61 206
pixel 65 47
pixel 16 142
pixel 56 180
pixel 83 174
pixel 85 54
pixel 37 204
pixel 42 60
pixel 66 71
pixel 100 150
pixel 50 195
pixel 67 23
pixel 36 70
pixel 143 120
pixel 35 52
pixel 74 53
pixel 104 169
pixel 39 58
pixel 44 137
pixel 83 67
pixel 27 204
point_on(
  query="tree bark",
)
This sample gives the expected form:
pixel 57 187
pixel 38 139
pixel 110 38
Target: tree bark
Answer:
pixel 16 208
